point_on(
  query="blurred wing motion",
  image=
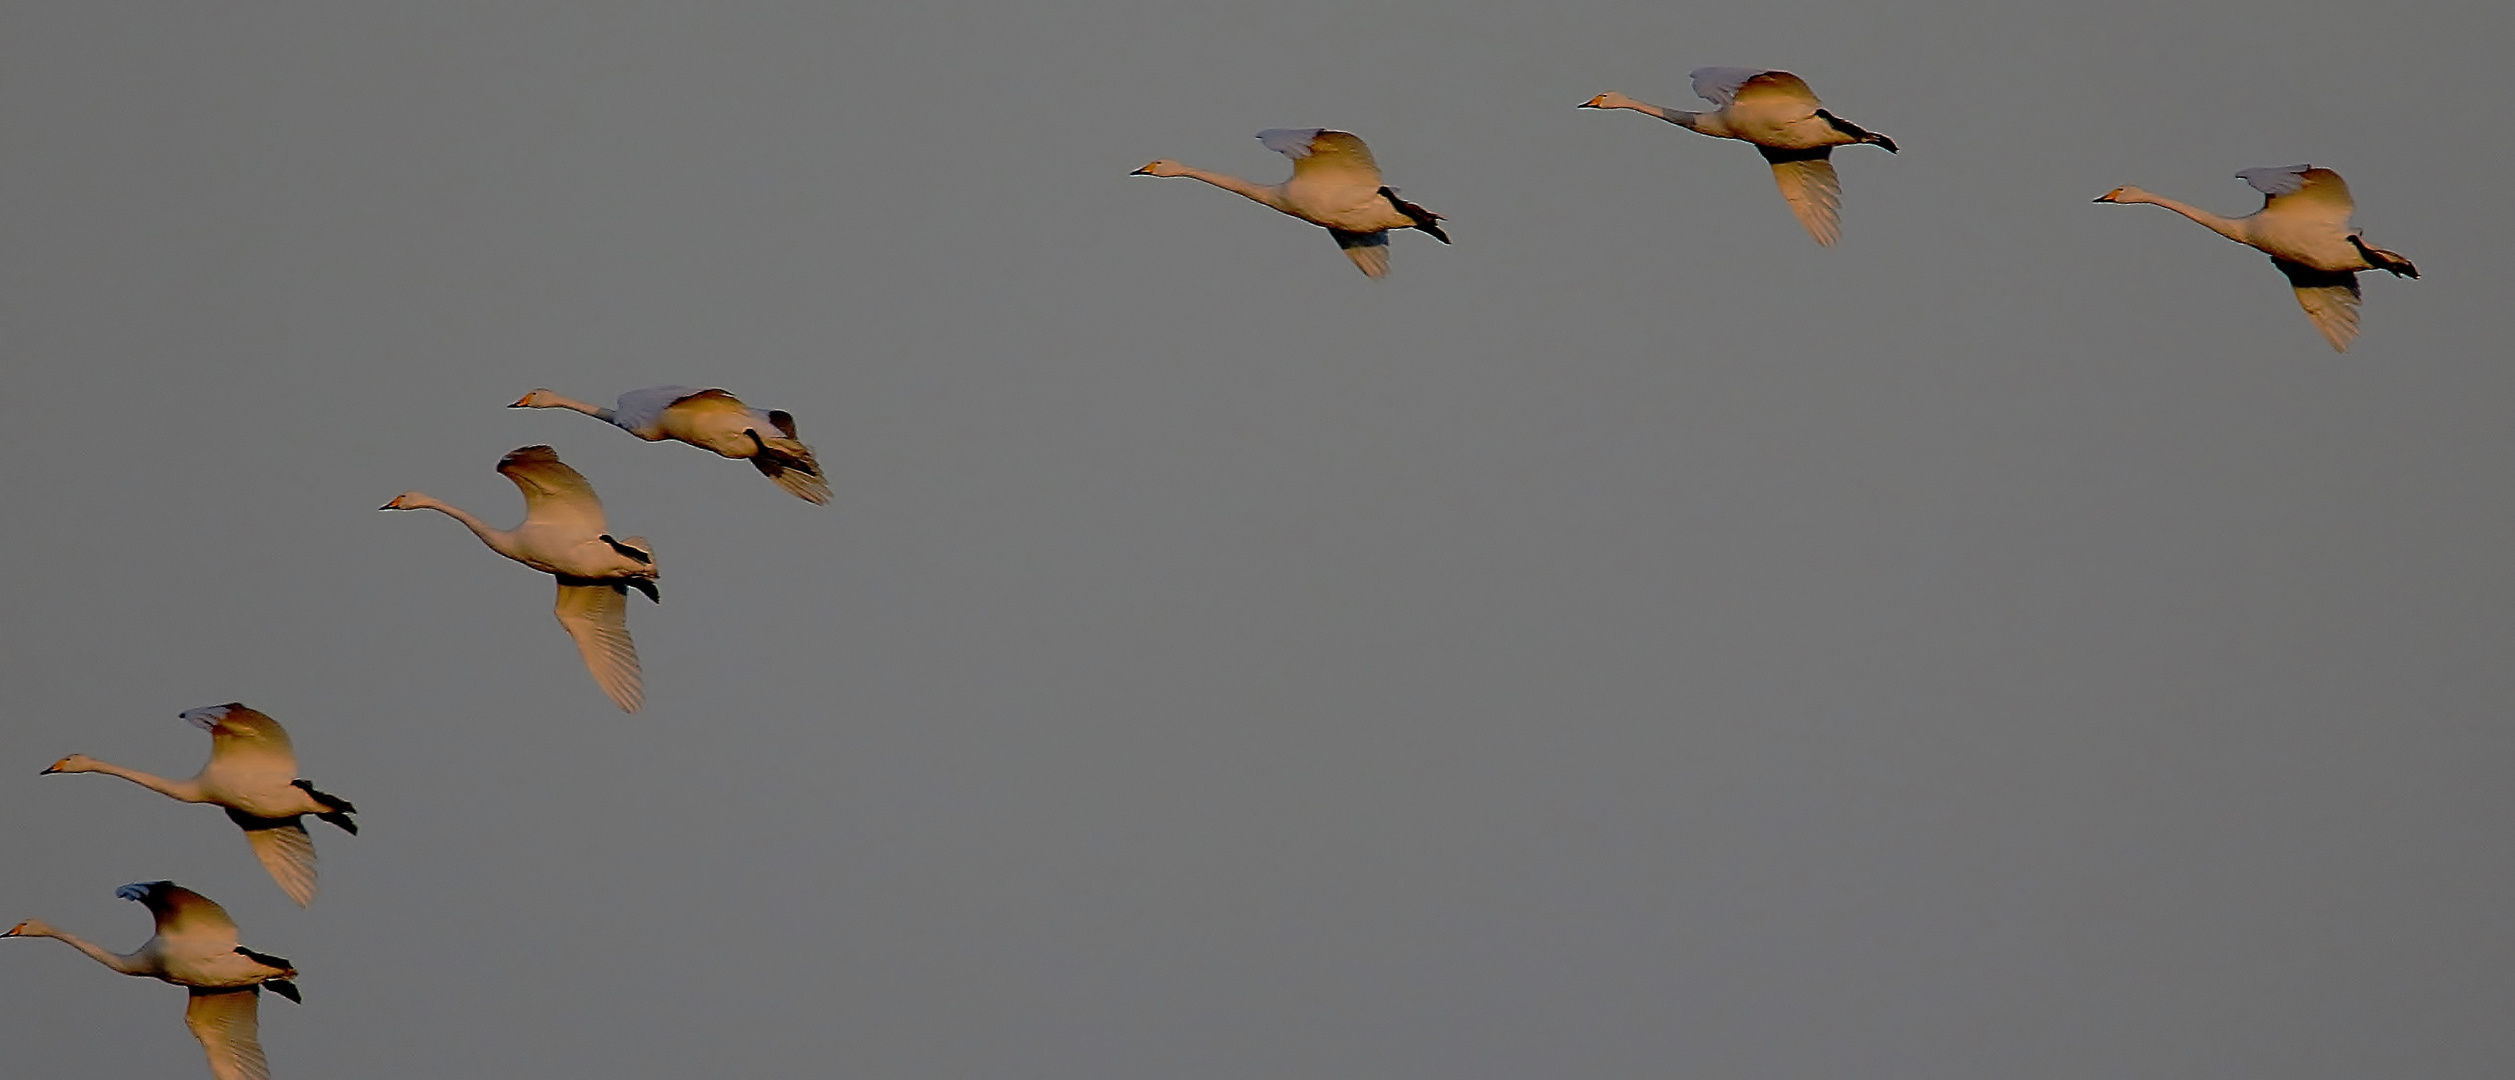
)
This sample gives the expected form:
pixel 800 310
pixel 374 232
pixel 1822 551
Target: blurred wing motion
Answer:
pixel 229 1027
pixel 642 411
pixel 1368 250
pixel 789 462
pixel 1321 155
pixel 1725 86
pixel 285 850
pixel 1807 182
pixel 596 614
pixel 2329 297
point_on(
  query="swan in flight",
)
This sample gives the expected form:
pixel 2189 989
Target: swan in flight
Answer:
pixel 1788 125
pixel 1334 185
pixel 252 773
pixel 195 948
pixel 2303 226
pixel 563 535
pixel 710 420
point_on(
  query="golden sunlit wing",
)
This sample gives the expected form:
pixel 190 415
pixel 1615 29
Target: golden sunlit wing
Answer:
pixel 1322 155
pixel 1814 194
pixel 2329 297
pixel 229 1025
pixel 553 492
pixel 1776 87
pixel 285 850
pixel 596 615
pixel 2302 192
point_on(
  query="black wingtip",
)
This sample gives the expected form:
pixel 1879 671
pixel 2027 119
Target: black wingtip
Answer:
pixel 286 989
pixel 648 587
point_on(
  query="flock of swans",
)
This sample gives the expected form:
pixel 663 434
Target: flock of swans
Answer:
pixel 2303 225
pixel 252 771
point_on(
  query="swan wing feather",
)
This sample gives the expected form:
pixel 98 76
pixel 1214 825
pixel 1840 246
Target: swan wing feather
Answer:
pixel 596 615
pixel 641 410
pixel 554 494
pixel 1815 195
pixel 229 1025
pixel 2330 299
pixel 1368 250
pixel 1320 154
pixel 284 849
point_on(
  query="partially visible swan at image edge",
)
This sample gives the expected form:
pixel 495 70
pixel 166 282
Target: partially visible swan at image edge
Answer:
pixel 2303 226
pixel 195 948
pixel 1776 112
pixel 564 535
pixel 711 420
pixel 252 774
pixel 1335 185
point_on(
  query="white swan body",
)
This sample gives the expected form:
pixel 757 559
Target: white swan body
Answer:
pixel 2303 226
pixel 1775 111
pixel 711 420
pixel 195 948
pixel 564 535
pixel 1335 184
pixel 252 773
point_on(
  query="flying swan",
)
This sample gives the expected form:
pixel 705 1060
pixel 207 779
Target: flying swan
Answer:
pixel 564 535
pixel 252 773
pixel 2303 226
pixel 1334 185
pixel 711 420
pixel 195 948
pixel 1777 112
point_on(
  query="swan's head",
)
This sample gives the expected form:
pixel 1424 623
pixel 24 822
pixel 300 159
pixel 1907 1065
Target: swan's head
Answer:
pixel 2123 195
pixel 1163 167
pixel 73 763
pixel 31 928
pixel 408 500
pixel 1608 100
pixel 538 399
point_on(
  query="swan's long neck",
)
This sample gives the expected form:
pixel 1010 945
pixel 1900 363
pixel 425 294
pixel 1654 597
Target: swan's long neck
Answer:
pixel 2231 228
pixel 183 790
pixel 499 540
pixel 1270 194
pixel 1691 121
pixel 595 411
pixel 133 964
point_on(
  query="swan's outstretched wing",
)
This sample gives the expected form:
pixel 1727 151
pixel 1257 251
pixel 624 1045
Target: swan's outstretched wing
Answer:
pixel 1807 182
pixel 2330 299
pixel 1368 250
pixel 1724 86
pixel 786 460
pixel 2301 191
pixel 596 614
pixel 230 1029
pixel 1321 155
pixel 285 850
pixel 639 410
pixel 180 912
pixel 553 492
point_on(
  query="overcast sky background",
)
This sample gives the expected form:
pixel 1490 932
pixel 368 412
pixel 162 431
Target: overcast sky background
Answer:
pixel 1632 642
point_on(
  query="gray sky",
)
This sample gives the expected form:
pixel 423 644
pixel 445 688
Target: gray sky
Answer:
pixel 1633 642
